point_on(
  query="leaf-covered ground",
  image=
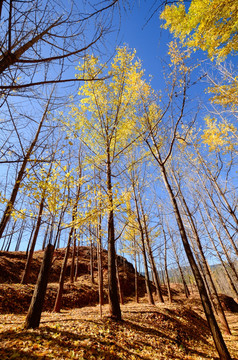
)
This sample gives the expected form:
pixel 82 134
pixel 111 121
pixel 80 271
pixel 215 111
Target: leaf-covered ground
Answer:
pixel 15 297
pixel 146 332
pixel 176 331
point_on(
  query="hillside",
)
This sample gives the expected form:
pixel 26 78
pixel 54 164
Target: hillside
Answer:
pixel 15 297
pixel 163 331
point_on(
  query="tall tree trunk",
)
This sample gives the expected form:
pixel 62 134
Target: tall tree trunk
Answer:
pixel 10 205
pixel 4 238
pixel 233 269
pixel 100 269
pixel 59 295
pixel 147 279
pixel 18 243
pixel 166 269
pixel 9 238
pixel 214 182
pixel 119 284
pixel 77 262
pixel 72 268
pixel 136 275
pixel 185 286
pixel 216 333
pixel 58 231
pixel 91 257
pixel 27 270
pixel 34 313
pixel 205 279
pixel 152 260
pixel 214 296
pixel 74 212
pixel 229 279
pixel 113 298
pixel 30 238
pixel 45 237
pixel 229 237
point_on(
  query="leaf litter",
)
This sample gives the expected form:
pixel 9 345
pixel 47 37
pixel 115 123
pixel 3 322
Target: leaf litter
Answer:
pixel 146 332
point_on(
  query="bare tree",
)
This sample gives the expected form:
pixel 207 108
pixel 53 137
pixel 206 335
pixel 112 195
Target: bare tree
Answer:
pixel 162 154
pixel 40 42
pixel 10 204
pixel 143 246
pixel 39 37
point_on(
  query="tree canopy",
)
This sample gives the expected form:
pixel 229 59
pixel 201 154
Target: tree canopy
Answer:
pixel 211 25
pixel 115 163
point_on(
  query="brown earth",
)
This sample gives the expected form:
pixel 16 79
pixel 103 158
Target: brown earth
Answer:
pixel 15 297
pixel 164 331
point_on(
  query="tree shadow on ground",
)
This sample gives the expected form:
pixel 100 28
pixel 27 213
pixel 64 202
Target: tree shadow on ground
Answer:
pixel 61 340
pixel 162 336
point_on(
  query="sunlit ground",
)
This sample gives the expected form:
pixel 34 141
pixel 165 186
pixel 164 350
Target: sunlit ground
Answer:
pixel 146 332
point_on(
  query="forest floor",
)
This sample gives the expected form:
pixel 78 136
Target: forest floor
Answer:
pixel 163 331
pixel 149 332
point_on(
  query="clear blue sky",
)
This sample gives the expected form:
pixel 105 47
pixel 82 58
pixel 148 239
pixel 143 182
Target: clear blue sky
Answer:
pixel 147 37
pixel 144 33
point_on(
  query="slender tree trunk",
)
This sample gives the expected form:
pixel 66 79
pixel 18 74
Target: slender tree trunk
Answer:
pixel 1 3
pixel 185 286
pixel 58 301
pixel 211 287
pixel 119 284
pixel 214 182
pixel 10 205
pixel 4 238
pixel 213 290
pixel 72 268
pixel 114 304
pixel 147 279
pixel 229 279
pixel 18 243
pixel 205 279
pixel 152 260
pixel 77 262
pixel 9 238
pixel 136 279
pixel 58 232
pixel 166 269
pixel 233 269
pixel 50 239
pixel 45 237
pixel 30 239
pixel 216 333
pixel 91 258
pixel 37 301
pixel 27 270
pixel 229 237
pixel 57 236
pixel 100 269
pixel 74 212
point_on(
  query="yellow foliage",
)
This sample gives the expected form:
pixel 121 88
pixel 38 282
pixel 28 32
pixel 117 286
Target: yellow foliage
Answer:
pixel 227 94
pixel 211 25
pixel 106 114
pixel 219 135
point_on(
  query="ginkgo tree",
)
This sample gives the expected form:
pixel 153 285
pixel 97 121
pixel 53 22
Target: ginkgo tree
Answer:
pixel 105 118
pixel 210 25
pixel 220 136
pixel 164 127
pixel 47 190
